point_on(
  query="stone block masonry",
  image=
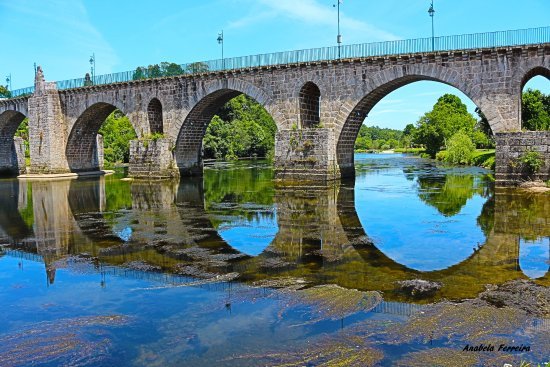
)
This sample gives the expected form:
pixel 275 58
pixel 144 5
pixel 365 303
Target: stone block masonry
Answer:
pixel 152 159
pixel 336 95
pixel 511 147
pixel 306 155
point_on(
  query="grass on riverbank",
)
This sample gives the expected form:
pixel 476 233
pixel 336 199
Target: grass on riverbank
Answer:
pixel 410 150
pixel 482 158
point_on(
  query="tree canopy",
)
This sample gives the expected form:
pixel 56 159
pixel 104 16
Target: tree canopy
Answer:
pixel 158 70
pixel 117 132
pixel 243 128
pixel 374 137
pixel 535 112
pixel 448 116
pixel 4 92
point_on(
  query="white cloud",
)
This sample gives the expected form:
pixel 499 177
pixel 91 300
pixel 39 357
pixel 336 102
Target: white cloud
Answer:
pixel 311 12
pixel 67 24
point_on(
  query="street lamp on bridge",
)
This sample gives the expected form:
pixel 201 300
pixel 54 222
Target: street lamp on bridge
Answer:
pixel 431 11
pixel 8 82
pixel 92 66
pixel 220 41
pixel 339 36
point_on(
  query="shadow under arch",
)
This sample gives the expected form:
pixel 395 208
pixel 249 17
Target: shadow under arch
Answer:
pixel 11 221
pixel 10 165
pixel 86 198
pixel 82 151
pixel 383 86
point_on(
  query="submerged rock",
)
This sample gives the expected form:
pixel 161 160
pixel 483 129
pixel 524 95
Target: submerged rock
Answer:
pixel 524 295
pixel 418 287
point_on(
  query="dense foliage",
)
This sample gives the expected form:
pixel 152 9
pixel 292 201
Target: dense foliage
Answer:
pixel 448 116
pixel 4 92
pixel 460 149
pixel 243 128
pixel 117 132
pixel 374 138
pixel 535 112
pixel 165 69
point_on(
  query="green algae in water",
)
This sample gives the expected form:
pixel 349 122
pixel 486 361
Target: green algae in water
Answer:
pixel 336 351
pixel 460 321
pixel 74 342
pixel 334 302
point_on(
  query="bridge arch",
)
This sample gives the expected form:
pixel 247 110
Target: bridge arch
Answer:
pixel 190 131
pixel 11 160
pixel 354 110
pixel 82 152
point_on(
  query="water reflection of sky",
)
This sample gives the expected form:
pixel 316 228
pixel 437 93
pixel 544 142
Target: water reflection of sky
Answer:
pixel 407 229
pixel 250 236
pixel 534 256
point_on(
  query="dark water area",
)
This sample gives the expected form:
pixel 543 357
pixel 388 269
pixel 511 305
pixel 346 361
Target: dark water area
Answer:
pixel 234 270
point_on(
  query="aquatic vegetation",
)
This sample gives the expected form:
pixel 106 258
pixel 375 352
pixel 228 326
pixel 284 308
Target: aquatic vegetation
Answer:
pixel 459 321
pixel 334 302
pixel 441 357
pixel 74 342
pixel 336 351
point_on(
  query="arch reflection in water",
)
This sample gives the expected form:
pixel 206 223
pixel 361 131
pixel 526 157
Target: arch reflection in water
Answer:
pixel 427 223
pixel 320 234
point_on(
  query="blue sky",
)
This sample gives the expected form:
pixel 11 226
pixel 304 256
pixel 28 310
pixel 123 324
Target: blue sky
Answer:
pixel 60 35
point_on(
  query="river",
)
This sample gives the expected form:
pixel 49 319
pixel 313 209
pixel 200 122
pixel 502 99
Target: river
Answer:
pixel 232 269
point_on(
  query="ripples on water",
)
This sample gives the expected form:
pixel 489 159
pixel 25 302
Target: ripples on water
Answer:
pixel 231 270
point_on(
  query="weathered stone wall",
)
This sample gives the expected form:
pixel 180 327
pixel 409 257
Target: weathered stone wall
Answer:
pixel 152 159
pixel 306 155
pixel 47 132
pixel 510 147
pixel 521 215
pixel 99 152
pixel 346 91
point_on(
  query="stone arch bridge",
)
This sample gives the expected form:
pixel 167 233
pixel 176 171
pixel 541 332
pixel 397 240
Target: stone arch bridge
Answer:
pixel 318 108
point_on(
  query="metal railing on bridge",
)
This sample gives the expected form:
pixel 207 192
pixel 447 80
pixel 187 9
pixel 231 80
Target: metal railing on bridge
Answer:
pixel 376 49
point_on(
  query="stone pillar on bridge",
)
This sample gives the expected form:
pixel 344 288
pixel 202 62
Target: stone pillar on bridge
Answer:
pixel 306 155
pixel 152 159
pixel 47 129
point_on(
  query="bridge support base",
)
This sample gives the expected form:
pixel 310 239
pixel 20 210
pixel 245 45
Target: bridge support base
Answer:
pixel 152 159
pixel 512 147
pixel 306 155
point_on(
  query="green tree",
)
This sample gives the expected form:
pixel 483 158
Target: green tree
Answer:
pixel 197 67
pixel 4 92
pixel 117 132
pixel 158 70
pixel 448 116
pixel 535 110
pixel 242 128
pixel 460 149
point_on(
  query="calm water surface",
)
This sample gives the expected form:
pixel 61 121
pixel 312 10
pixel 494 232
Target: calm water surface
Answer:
pixel 109 272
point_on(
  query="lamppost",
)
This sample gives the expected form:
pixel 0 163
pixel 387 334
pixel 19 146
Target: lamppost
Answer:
pixel 339 36
pixel 92 66
pixel 220 41
pixel 431 11
pixel 8 82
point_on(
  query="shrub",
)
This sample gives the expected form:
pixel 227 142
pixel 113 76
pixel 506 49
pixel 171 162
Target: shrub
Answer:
pixel 532 161
pixel 441 155
pixel 460 149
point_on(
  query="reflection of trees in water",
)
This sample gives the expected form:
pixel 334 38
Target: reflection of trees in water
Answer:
pixel 230 192
pixel 486 219
pixel 449 193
